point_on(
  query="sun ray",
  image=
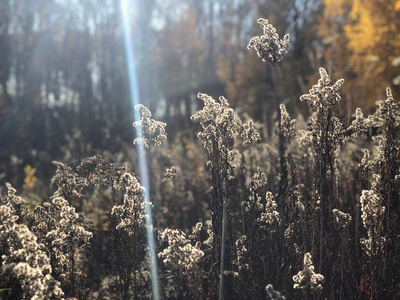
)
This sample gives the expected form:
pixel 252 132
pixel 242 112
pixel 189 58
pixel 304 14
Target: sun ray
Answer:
pixel 144 176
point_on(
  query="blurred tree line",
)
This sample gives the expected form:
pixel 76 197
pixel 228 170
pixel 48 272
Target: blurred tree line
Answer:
pixel 64 89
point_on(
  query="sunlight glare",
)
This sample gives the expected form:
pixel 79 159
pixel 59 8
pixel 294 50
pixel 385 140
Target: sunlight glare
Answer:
pixel 144 176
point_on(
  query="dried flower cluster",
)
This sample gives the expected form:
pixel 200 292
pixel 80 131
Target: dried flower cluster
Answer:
pixel 210 240
pixel 341 218
pixel 179 253
pixel 287 125
pixel 359 124
pixel 59 226
pixel 68 183
pixel 269 215
pixel 272 294
pixel 249 133
pixel 257 185
pixel 307 278
pixel 130 213
pixel 241 253
pixel 372 215
pixel 218 121
pixel 153 132
pixel 220 125
pixel 323 93
pixel 169 173
pixel 387 113
pixel 268 46
pixel 22 256
pixel 325 129
pixel 259 180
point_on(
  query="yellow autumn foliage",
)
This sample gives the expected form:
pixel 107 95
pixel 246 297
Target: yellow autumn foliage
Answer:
pixel 367 39
pixel 335 8
pixel 30 179
pixel 397 5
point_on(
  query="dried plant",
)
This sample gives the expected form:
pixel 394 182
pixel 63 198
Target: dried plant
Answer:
pixel 60 228
pixel 169 173
pixel 179 252
pixel 272 294
pixel 182 257
pixel 269 215
pixel 153 132
pixel 220 125
pixel 268 46
pixel 241 253
pixel 307 278
pixel 342 219
pixel 23 258
pixel 372 215
pixel 287 125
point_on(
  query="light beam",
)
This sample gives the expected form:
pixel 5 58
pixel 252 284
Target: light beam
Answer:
pixel 144 176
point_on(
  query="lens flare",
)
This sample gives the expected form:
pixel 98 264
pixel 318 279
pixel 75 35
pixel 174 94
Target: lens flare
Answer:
pixel 144 176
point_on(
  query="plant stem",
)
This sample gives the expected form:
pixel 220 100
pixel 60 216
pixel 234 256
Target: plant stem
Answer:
pixel 223 239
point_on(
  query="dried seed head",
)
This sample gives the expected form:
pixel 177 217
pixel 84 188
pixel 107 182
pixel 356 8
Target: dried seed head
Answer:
pixel 153 132
pixel 307 277
pixel 268 46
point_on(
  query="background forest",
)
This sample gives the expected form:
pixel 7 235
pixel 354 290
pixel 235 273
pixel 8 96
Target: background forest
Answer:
pixel 63 70
pixel 307 207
